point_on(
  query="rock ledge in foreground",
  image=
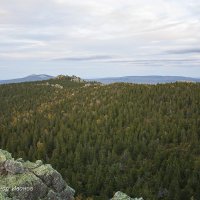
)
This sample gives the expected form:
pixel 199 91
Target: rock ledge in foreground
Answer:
pixel 26 180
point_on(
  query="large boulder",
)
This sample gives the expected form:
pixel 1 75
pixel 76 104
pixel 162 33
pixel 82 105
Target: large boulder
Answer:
pixel 20 180
pixel 122 196
pixel 14 167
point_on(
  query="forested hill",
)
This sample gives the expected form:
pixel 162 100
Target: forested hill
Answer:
pixel 30 78
pixel 147 79
pixel 108 80
pixel 143 140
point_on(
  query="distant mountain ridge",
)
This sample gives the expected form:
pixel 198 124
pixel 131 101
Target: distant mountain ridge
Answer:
pixel 31 78
pixel 146 79
pixel 108 80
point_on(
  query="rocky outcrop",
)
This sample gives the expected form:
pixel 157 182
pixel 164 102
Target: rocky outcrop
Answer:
pixel 122 196
pixel 22 180
pixel 25 180
pixel 71 78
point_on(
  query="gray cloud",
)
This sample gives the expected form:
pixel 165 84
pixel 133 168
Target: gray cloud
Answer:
pixel 159 60
pixel 139 32
pixel 158 63
pixel 86 58
pixel 184 51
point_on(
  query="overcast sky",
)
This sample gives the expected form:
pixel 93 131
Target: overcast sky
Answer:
pixel 99 38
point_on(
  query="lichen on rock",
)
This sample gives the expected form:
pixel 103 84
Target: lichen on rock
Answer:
pixel 4 155
pixel 122 196
pixel 20 180
pixel 14 167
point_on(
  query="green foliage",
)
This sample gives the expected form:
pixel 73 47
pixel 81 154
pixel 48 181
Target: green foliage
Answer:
pixel 140 139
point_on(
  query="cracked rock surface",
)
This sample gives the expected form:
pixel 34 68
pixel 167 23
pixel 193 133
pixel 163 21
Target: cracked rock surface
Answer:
pixel 20 180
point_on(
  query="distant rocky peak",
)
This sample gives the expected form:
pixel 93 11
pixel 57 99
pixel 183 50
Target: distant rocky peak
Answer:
pixel 72 78
pixel 60 77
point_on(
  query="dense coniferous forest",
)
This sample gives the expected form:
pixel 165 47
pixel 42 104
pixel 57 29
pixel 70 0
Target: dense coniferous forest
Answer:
pixel 143 140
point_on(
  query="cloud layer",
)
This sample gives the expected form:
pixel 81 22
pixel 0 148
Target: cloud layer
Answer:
pixel 61 36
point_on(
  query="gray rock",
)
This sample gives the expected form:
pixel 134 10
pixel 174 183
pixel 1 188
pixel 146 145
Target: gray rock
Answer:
pixel 39 162
pixel 26 180
pixel 14 167
pixel 68 193
pixel 29 190
pixel 4 155
pixel 52 195
pixel 122 196
pixel 20 160
pixel 50 177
